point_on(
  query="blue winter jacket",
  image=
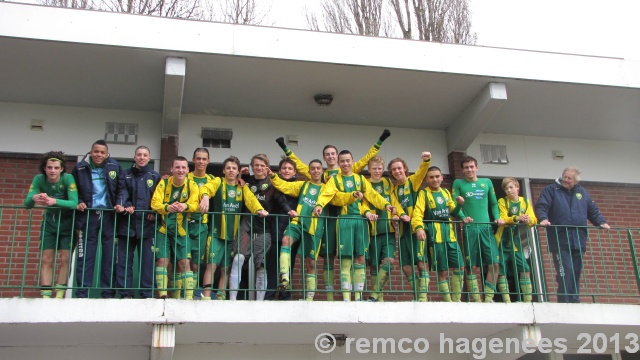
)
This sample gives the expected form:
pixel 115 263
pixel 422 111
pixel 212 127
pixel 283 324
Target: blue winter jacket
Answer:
pixel 140 185
pixel 567 207
pixel 82 174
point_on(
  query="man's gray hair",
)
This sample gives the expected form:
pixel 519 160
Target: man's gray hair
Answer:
pixel 574 170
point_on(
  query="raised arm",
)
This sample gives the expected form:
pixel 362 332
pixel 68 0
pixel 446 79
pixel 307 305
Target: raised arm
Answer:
pixel 359 165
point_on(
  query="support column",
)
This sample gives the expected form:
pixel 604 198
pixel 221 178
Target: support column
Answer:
pixel 168 151
pixel 163 342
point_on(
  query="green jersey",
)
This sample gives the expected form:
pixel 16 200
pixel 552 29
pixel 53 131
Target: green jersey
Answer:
pixel 479 196
pixel 307 193
pixel 64 191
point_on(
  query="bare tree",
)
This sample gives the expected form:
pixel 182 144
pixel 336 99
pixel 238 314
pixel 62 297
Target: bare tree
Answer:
pixel 74 4
pixel 184 9
pixel 435 20
pixel 236 11
pixel 364 17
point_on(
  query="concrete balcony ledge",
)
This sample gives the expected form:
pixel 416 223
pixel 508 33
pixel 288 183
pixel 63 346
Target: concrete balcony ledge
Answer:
pixel 75 322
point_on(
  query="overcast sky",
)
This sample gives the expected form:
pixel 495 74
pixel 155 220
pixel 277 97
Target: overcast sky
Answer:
pixel 589 27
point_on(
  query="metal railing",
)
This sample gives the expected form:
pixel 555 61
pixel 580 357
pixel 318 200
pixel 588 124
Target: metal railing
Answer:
pixel 610 271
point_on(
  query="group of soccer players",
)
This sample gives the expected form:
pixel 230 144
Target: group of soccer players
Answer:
pixel 192 222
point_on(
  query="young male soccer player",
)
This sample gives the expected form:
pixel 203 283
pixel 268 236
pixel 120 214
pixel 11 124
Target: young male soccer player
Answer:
pixel 174 198
pixel 56 190
pixel 382 244
pixel 330 156
pixel 353 233
pixel 224 197
pixel 286 172
pixel 198 222
pixel 303 228
pixel 477 195
pixel 435 204
pixel 98 189
pixel 518 215
pixel 255 234
pixel 136 225
pixel 411 250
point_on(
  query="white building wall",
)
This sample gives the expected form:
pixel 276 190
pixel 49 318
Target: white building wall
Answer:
pixel 531 157
pixel 73 129
pixel 252 136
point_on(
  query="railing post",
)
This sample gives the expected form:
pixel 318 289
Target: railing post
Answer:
pixel 634 257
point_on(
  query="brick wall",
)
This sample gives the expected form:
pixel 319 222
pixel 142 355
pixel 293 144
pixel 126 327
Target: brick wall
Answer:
pixel 608 266
pixel 21 256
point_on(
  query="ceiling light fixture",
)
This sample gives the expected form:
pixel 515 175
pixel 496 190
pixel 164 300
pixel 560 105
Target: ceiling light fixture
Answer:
pixel 323 99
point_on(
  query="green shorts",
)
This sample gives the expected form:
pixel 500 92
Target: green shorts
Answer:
pixel 480 245
pixel 353 236
pixel 54 235
pixel 310 244
pixel 512 262
pixel 220 252
pixel 412 250
pixel 445 256
pixel 330 238
pixel 171 244
pixel 381 246
pixel 198 241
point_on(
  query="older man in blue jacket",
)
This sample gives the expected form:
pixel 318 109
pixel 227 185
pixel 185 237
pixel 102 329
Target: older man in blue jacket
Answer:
pixel 565 202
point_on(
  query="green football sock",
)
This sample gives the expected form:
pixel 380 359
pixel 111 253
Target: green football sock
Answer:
pixel 311 284
pixel 456 285
pixel 527 289
pixel 46 293
pixel 285 261
pixel 178 283
pixel 424 286
pixel 327 276
pixel 345 279
pixel 161 281
pixel 189 285
pixel 472 286
pixel 489 291
pixel 503 289
pixel 60 290
pixel 443 288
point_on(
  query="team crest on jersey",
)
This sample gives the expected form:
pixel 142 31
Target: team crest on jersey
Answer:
pixel 482 186
pixel 72 186
pixel 386 188
pixel 149 182
pixel 313 191
pixel 231 194
pixel 578 196
pixel 440 201
pixel 349 183
pixel 264 186
pixel 432 204
pixel 358 183
pixel 514 210
pixel 112 174
pixel 184 195
pixel 175 195
pixel 253 189
pixel 61 187
pixel 379 189
pixel 401 191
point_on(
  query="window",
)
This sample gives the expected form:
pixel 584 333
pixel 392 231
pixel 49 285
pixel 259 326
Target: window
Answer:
pixel 121 133
pixel 217 138
pixel 494 154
